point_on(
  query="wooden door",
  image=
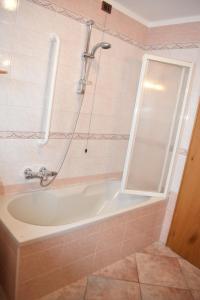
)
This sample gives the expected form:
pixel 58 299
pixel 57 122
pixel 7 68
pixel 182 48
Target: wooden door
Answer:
pixel 184 235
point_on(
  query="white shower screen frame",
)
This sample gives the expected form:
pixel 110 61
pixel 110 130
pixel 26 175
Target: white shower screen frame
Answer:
pixel 146 59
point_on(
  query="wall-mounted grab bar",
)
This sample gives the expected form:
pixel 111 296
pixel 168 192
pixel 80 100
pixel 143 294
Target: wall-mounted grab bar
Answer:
pixel 50 84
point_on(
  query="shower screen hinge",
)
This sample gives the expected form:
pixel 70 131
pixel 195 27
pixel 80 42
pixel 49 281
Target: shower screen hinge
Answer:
pixel 106 7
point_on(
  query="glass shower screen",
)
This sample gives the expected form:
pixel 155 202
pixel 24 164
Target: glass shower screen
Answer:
pixel 160 103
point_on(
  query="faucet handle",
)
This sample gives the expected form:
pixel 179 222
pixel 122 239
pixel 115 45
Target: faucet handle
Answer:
pixel 43 170
pixel 28 173
pixel 43 173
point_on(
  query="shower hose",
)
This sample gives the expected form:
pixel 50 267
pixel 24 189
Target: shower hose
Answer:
pixel 44 183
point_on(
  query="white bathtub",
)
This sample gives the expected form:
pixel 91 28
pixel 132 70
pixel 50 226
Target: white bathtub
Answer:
pixel 33 215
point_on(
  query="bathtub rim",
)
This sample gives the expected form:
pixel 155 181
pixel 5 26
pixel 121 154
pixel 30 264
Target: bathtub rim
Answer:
pixel 25 233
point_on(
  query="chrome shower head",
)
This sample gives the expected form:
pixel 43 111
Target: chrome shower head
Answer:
pixel 102 45
pixel 105 45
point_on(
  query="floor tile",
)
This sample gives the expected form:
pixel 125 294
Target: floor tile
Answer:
pixel 57 295
pixel 153 292
pixel 191 274
pixel 158 248
pixel 125 269
pixel 162 273
pixel 74 291
pixel 196 295
pixel 160 270
pixel 101 288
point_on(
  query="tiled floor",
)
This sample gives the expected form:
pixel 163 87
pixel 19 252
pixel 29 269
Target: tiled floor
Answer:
pixel 156 273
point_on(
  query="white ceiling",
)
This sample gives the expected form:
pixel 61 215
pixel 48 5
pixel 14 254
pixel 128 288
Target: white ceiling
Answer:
pixel 160 12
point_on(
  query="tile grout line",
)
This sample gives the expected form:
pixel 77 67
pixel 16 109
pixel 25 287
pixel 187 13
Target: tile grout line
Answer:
pixel 137 267
pixel 140 291
pixel 183 272
pixel 138 276
pixel 165 286
pixel 112 278
pixel 86 288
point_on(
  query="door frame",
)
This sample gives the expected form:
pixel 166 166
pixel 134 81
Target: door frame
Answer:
pixel 178 199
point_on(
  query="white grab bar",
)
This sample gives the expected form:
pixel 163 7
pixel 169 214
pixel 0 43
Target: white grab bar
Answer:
pixel 50 83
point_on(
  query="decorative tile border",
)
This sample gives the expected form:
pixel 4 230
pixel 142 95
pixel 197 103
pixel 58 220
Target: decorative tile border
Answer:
pixel 172 46
pixel 90 136
pixel 61 135
pixel 20 135
pixel 25 135
pixel 65 12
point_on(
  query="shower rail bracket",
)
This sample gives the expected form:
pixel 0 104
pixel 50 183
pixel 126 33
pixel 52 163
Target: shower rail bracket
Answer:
pixel 87 56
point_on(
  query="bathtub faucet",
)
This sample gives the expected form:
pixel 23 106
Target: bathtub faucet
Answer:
pixel 43 174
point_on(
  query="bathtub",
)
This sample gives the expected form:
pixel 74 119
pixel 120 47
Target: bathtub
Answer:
pixel 69 233
pixel 40 213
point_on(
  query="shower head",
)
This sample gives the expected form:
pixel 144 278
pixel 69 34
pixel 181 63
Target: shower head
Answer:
pixel 105 45
pixel 102 45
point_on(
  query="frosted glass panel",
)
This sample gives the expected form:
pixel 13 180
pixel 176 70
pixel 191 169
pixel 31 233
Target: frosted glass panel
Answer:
pixel 158 115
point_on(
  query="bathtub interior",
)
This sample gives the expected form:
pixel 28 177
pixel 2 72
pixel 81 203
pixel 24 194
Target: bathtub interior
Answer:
pixel 72 204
